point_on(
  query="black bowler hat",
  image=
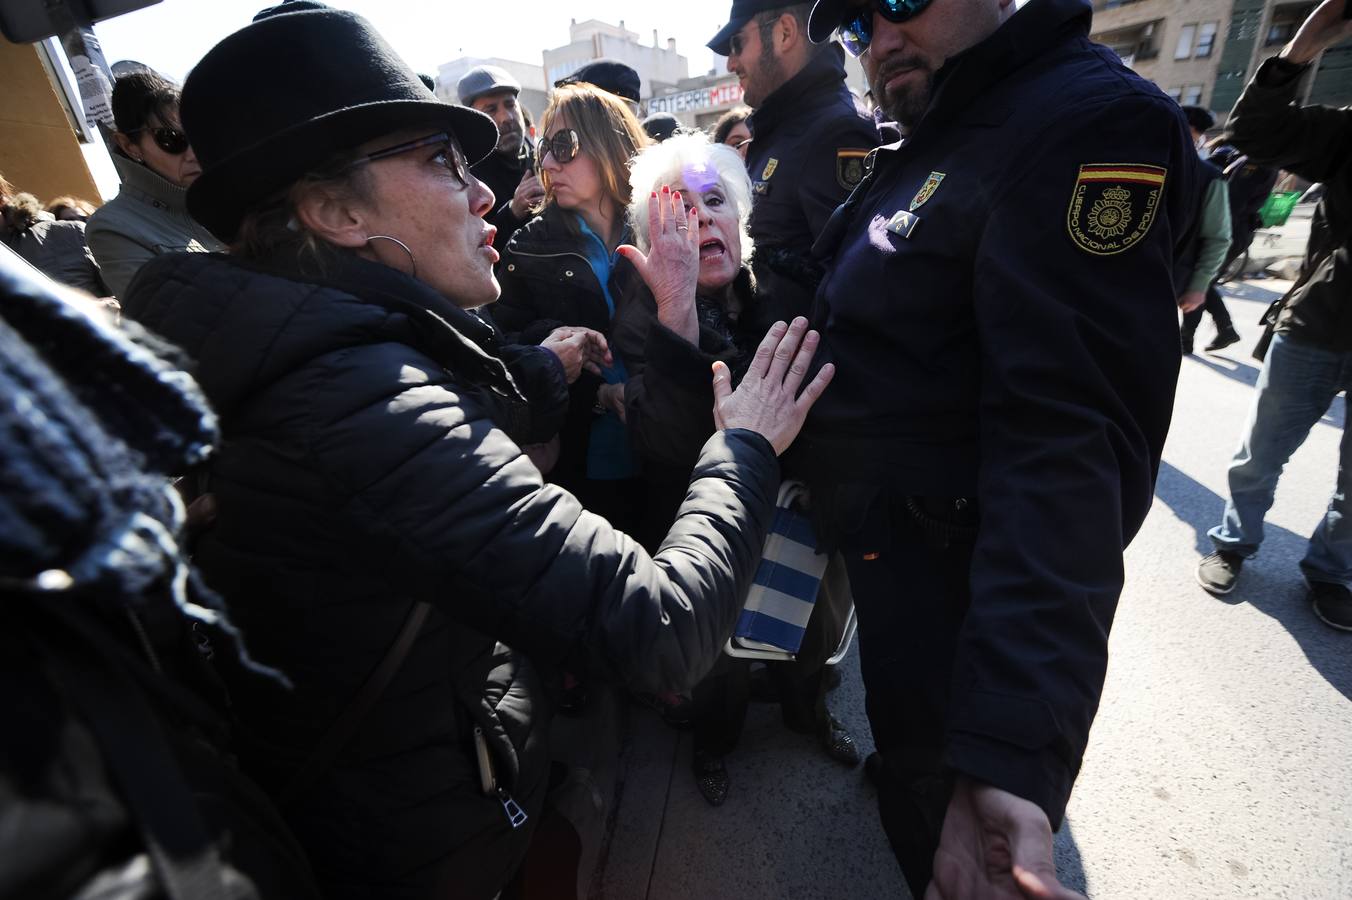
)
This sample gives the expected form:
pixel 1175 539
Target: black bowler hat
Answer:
pixel 743 11
pixel 280 96
pixel 610 75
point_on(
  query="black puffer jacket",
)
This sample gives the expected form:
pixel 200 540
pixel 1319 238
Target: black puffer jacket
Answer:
pixel 370 459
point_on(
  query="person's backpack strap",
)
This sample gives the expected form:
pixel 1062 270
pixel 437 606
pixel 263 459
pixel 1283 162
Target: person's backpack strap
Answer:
pixel 136 750
pixel 347 723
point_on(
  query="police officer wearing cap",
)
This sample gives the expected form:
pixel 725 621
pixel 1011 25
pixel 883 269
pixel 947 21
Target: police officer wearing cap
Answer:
pixel 999 305
pixel 809 140
pixel 508 170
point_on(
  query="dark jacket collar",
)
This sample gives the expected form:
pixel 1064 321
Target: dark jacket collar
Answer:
pixel 552 232
pixel 820 81
pixel 1026 35
pixel 517 165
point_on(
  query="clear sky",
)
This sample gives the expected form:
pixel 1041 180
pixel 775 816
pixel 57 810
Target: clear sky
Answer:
pixel 173 34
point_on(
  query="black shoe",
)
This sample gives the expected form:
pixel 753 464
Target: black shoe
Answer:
pixel 676 710
pixel 711 777
pixel 1218 572
pixel 1224 338
pixel 837 743
pixel 1185 340
pixel 1332 604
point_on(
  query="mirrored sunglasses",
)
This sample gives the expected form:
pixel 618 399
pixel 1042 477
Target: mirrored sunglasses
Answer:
pixel 856 32
pixel 563 146
pixel 170 140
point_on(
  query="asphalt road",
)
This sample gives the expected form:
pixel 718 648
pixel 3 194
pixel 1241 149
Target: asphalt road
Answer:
pixel 1218 766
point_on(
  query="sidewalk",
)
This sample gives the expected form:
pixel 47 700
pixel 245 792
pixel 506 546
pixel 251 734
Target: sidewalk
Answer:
pixel 795 825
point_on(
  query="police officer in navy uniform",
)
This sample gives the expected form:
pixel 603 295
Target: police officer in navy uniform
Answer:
pixel 999 306
pixel 809 141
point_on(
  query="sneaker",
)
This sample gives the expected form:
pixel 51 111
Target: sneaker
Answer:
pixel 1224 338
pixel 1218 572
pixel 1332 604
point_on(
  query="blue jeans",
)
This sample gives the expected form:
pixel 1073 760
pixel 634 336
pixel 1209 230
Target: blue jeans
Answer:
pixel 1296 386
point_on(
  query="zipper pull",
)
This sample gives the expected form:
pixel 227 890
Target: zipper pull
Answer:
pixel 515 814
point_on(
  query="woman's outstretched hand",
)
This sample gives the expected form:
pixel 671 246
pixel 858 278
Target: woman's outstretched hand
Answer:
pixel 671 266
pixel 768 400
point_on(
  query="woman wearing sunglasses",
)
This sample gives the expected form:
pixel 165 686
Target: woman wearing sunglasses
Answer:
pixel 562 268
pixel 156 165
pixel 375 511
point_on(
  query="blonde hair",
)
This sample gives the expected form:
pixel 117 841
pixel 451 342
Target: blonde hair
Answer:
pixel 689 157
pixel 606 131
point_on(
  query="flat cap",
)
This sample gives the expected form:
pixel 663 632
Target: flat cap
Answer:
pixel 482 80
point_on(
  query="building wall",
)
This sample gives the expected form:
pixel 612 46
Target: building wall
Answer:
pixel 39 151
pixel 1149 35
pixel 659 66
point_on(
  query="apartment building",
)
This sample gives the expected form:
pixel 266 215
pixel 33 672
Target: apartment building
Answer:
pixel 1203 52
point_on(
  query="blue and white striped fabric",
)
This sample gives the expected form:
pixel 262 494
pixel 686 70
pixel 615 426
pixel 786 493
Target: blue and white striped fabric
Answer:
pixel 784 590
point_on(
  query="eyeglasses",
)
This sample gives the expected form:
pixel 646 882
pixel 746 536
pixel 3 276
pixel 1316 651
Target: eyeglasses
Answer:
pixel 856 32
pixel 170 140
pixel 451 157
pixel 563 146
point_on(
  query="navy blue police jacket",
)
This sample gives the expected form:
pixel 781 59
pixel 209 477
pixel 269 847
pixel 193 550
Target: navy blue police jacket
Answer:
pixel 807 154
pixel 1000 307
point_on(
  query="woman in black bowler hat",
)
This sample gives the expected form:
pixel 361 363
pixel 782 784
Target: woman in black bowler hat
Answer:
pixel 380 537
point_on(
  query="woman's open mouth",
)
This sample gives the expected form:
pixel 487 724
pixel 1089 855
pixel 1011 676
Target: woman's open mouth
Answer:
pixel 712 249
pixel 487 243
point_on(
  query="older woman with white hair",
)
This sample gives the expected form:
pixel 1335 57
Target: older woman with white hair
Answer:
pixel 703 307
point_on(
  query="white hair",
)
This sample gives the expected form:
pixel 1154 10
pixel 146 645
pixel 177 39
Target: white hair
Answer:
pixel 681 158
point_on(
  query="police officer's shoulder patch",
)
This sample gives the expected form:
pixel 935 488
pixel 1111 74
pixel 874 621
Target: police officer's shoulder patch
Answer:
pixel 850 167
pixel 1113 206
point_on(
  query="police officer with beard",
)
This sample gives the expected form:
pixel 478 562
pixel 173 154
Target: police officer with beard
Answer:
pixel 999 306
pixel 509 170
pixel 809 140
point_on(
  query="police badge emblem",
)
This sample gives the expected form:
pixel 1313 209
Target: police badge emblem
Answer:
pixel 1113 206
pixel 770 168
pixel 926 190
pixel 850 169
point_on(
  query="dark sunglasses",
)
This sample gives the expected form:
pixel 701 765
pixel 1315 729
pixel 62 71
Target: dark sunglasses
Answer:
pixel 563 146
pixel 451 157
pixel 856 32
pixel 170 140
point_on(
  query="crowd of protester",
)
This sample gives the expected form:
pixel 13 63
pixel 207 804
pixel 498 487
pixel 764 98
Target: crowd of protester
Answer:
pixel 481 414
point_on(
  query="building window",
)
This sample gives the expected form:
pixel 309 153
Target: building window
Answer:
pixel 1206 39
pixel 1192 95
pixel 1281 32
pixel 1185 36
pixel 1175 94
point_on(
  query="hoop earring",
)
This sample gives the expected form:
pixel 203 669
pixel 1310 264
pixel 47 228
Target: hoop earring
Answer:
pixel 402 246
